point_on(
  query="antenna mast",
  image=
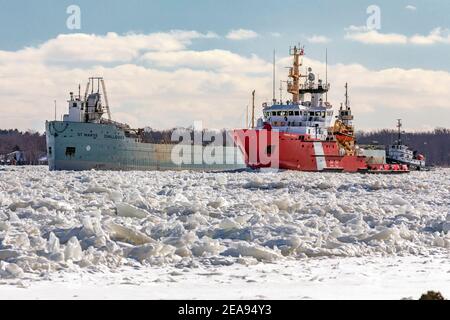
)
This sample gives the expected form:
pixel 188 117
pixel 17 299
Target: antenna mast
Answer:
pixel 55 110
pixel 346 95
pixel 326 73
pixel 399 126
pixel 274 75
pixel 253 109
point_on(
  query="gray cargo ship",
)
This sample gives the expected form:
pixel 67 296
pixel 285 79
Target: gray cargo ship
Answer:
pixel 86 140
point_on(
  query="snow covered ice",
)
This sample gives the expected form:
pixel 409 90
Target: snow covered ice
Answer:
pixel 166 225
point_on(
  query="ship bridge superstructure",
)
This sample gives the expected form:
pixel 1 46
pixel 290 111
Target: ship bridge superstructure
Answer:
pixel 309 112
pixel 92 106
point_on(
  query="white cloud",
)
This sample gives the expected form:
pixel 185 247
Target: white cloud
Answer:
pixel 411 7
pixel 367 36
pixel 218 60
pixel 275 34
pixel 241 34
pixel 79 47
pixel 173 85
pixel 318 39
pixel 353 28
pixel 437 35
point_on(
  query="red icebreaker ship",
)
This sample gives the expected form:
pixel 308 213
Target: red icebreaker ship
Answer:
pixel 303 134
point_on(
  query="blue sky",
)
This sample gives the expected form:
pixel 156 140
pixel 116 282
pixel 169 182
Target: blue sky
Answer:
pixel 30 22
pixel 400 70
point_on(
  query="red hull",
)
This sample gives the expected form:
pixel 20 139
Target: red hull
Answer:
pixel 267 148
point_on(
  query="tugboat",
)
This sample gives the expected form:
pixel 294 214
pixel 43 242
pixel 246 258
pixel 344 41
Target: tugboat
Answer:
pixel 302 134
pixel 399 153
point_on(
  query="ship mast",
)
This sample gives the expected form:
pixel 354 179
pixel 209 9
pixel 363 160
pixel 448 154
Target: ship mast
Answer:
pixel 326 73
pixel 399 126
pixel 294 74
pixel 343 127
pixel 253 109
pixel 274 77
pixel 346 96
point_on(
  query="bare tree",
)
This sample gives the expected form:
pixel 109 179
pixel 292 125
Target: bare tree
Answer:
pixel 434 145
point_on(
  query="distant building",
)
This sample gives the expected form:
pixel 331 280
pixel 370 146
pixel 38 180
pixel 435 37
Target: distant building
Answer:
pixel 14 158
pixel 43 161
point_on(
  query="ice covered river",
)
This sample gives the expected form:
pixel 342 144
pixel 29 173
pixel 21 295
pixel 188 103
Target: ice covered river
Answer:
pixel 255 230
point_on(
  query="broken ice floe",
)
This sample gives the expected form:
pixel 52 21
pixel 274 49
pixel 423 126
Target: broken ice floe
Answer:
pixel 52 221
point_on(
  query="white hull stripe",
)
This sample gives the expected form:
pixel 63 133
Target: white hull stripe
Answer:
pixel 320 156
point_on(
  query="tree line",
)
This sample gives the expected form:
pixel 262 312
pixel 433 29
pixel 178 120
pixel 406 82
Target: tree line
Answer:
pixel 31 143
pixel 435 145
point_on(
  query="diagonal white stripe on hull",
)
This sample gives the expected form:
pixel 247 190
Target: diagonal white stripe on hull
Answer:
pixel 320 156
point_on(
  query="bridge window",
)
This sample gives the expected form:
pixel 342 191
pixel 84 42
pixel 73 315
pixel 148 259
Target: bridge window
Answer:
pixel 274 113
pixel 297 113
pixel 49 150
pixel 291 113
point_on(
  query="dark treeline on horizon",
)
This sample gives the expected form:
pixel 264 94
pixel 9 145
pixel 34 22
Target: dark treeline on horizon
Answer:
pixel 30 142
pixel 435 145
